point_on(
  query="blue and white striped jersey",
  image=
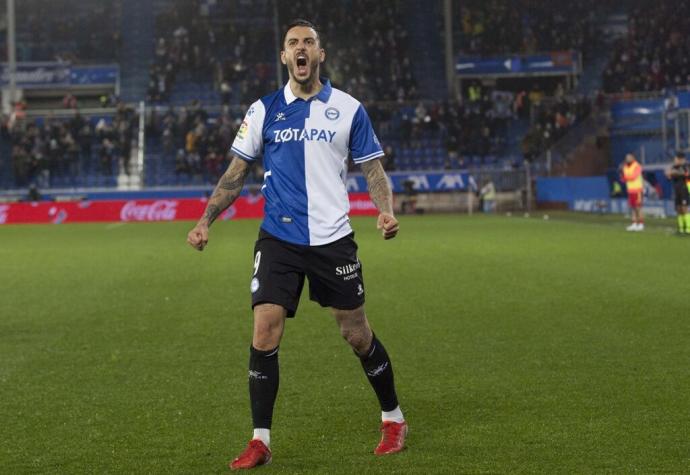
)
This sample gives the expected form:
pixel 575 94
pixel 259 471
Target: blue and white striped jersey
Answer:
pixel 305 145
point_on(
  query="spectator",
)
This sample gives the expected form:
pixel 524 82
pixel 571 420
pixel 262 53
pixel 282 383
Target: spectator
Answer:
pixel 181 164
pixel 85 138
pixel 69 101
pixel 33 194
pixel 107 149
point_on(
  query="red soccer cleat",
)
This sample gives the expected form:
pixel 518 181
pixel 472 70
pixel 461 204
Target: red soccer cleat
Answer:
pixel 392 438
pixel 254 455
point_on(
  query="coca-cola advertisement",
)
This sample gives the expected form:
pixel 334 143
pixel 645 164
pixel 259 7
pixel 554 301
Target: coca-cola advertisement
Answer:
pixel 145 210
pixel 161 210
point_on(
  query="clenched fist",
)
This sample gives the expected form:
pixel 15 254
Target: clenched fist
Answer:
pixel 388 225
pixel 198 237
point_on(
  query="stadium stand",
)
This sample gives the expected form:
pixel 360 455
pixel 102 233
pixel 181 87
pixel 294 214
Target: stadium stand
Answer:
pixel 187 145
pixel 75 152
pixel 205 52
pixel 372 58
pixel 84 31
pixel 207 60
pixel 654 54
pixel 553 119
pixel 525 26
pixel 136 58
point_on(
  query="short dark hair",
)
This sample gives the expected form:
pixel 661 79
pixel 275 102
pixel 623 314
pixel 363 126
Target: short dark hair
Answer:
pixel 680 155
pixel 301 22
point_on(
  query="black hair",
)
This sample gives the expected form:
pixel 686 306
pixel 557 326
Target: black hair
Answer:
pixel 301 22
pixel 680 155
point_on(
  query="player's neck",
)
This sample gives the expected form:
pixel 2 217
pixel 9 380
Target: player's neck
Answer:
pixel 306 91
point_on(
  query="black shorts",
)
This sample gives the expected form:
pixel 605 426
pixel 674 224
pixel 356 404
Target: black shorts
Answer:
pixel 682 196
pixel 333 270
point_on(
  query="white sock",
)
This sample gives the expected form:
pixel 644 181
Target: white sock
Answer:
pixel 264 435
pixel 395 415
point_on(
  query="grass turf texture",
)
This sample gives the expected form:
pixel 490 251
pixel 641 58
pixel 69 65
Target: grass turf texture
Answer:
pixel 520 345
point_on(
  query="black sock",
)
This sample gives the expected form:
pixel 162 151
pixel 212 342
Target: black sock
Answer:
pixel 379 371
pixel 263 385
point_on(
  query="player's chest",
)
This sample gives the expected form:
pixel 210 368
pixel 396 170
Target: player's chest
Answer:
pixel 307 124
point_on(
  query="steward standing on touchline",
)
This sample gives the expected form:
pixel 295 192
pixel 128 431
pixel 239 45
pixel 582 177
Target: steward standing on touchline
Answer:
pixel 631 174
pixel 306 131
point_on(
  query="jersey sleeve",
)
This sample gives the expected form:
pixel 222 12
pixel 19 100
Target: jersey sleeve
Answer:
pixel 248 143
pixel 364 145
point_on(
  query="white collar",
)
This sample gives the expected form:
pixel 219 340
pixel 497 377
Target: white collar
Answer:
pixel 289 95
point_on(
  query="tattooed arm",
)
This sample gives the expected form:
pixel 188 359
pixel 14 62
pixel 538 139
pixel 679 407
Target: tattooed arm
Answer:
pixel 227 190
pixel 380 193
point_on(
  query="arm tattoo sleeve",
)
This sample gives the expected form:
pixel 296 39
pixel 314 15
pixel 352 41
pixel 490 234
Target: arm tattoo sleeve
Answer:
pixel 379 188
pixel 227 190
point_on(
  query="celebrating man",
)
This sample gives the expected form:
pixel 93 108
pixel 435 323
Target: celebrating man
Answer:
pixel 306 131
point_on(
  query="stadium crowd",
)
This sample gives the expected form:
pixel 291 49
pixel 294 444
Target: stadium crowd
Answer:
pixel 194 143
pixel 206 43
pixel 473 127
pixel 489 27
pixel 186 43
pixel 194 45
pixel 197 143
pixel 371 59
pixel 552 121
pixel 69 31
pixel 655 54
pixel 43 150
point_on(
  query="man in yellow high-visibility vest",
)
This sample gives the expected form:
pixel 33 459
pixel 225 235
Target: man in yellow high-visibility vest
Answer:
pixel 631 172
pixel 679 174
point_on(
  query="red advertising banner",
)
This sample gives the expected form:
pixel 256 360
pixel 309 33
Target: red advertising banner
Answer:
pixel 145 210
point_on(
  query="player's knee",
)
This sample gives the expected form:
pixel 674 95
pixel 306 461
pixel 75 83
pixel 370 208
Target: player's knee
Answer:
pixel 354 328
pixel 268 328
pixel 265 338
pixel 359 338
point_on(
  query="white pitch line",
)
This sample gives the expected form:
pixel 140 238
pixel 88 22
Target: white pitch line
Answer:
pixel 114 225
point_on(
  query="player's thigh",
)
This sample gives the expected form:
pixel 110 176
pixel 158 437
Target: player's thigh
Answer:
pixel 335 275
pixel 278 275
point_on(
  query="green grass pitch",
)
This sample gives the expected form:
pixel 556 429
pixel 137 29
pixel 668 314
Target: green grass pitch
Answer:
pixel 520 346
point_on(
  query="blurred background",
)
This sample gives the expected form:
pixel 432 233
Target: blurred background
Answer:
pixel 129 96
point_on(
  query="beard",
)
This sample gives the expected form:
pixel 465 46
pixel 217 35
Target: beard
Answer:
pixel 313 71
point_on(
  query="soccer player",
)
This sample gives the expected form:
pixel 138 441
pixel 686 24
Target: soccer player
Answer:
pixel 306 130
pixel 631 174
pixel 679 174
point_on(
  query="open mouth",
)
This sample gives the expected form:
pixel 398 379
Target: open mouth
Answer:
pixel 301 64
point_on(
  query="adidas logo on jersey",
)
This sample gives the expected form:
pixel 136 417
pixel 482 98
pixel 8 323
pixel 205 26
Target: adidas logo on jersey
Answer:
pixel 300 135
